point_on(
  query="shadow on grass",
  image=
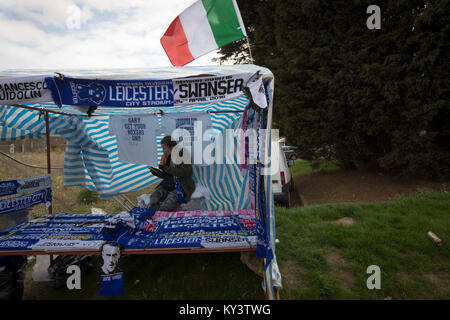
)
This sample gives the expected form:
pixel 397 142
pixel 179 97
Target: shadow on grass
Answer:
pixel 219 276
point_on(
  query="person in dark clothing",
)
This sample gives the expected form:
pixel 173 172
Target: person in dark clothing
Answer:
pixel 177 185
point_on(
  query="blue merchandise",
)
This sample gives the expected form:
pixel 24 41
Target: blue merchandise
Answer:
pixel 111 285
pixel 25 185
pixel 112 93
pixel 193 229
pixel 26 201
pixel 8 187
pixel 179 188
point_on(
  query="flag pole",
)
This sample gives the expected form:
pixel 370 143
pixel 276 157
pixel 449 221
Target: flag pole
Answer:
pixel 249 50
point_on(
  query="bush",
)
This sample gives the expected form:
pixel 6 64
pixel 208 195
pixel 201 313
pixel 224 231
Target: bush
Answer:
pixel 86 196
pixel 370 99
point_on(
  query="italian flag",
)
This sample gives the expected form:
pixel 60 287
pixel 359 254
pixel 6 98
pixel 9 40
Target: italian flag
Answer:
pixel 203 27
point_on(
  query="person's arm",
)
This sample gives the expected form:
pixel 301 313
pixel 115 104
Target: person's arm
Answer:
pixel 181 170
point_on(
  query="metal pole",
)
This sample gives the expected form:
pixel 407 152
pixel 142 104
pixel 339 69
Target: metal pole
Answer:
pixel 250 50
pixel 47 134
pixel 49 167
pixel 41 109
pixel 100 115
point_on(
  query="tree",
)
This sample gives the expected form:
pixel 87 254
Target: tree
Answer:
pixel 368 98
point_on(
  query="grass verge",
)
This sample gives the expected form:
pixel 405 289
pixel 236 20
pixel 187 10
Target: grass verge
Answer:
pixel 322 259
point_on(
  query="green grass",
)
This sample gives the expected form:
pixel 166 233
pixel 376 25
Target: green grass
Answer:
pixel 324 260
pixel 305 167
pixel 317 258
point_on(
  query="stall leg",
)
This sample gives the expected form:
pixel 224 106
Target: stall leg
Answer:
pixel 49 167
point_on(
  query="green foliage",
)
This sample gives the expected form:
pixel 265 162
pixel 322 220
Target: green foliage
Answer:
pixel 368 98
pixel 86 196
pixel 319 165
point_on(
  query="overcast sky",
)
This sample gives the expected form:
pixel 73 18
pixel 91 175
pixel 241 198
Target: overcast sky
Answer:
pixel 51 34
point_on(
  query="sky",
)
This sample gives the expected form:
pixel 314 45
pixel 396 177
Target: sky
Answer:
pixel 83 34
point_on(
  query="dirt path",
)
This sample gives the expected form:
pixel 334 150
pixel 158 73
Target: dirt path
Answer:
pixel 355 186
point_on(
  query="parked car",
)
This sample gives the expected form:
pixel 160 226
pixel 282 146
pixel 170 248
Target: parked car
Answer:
pixel 290 152
pixel 282 182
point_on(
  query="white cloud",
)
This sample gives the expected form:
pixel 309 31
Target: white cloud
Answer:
pixel 44 12
pixel 111 33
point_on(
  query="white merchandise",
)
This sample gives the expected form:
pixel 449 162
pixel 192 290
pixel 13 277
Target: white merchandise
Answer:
pixel 189 129
pixel 136 138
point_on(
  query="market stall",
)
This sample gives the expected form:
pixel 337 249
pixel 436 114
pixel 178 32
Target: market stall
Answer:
pixel 85 107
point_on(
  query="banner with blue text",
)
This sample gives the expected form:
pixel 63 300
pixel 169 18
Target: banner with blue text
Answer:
pixel 26 201
pixel 25 185
pixel 146 93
